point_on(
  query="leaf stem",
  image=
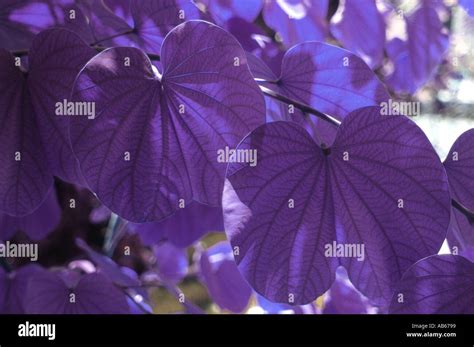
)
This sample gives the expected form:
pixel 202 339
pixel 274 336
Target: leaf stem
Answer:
pixel 464 210
pixel 126 32
pixel 304 108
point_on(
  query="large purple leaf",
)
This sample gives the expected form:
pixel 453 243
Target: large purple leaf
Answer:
pixel 153 145
pixel 51 293
pixel 56 57
pixel 24 175
pixel 440 284
pixel 381 186
pixel 297 21
pixel 183 228
pixel 225 284
pixel 37 224
pixel 360 27
pixel 390 159
pixel 271 209
pixel 416 59
pixel 328 78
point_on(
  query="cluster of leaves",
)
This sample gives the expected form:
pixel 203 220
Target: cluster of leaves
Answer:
pixel 173 82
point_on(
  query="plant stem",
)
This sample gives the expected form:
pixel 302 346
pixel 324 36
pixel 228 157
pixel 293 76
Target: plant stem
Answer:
pixel 304 108
pixel 130 31
pixel 464 210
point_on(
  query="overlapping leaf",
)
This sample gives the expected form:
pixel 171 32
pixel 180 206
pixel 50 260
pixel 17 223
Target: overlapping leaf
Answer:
pixel 360 27
pixel 183 228
pixel 25 178
pixel 20 21
pixel 459 165
pixel 440 284
pixel 381 186
pixel 152 20
pixel 65 293
pixel 416 59
pixel 297 21
pixel 330 79
pixel 55 59
pixel 154 142
pixel 37 224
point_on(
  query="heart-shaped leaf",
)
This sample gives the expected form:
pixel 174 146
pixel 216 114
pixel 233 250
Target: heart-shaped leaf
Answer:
pixel 153 146
pixel 375 202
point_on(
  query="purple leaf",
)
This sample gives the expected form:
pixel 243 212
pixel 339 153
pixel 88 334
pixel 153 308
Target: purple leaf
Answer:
pixel 37 224
pixel 255 41
pixel 297 21
pixel 54 293
pixel 360 27
pixel 440 284
pixel 24 174
pixel 459 165
pixel 225 284
pixel 183 228
pixel 417 59
pixel 153 145
pixel 171 262
pixel 223 10
pixel 379 192
pixel 20 21
pixel 343 298
pixel 152 20
pixel 460 234
pixel 122 8
pixel 13 288
pixel 330 79
pixel 55 59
